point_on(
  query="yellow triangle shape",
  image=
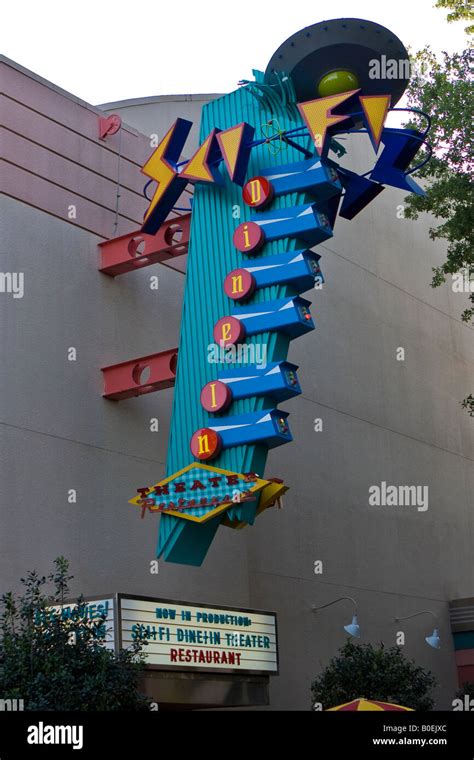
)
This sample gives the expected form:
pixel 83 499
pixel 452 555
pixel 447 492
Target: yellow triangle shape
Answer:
pixel 197 167
pixel 376 110
pixel 229 143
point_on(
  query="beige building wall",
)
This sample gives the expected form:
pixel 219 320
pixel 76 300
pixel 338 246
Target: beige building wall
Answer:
pixel 382 419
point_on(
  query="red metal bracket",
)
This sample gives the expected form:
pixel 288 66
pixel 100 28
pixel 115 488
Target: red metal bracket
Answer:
pixel 139 376
pixel 136 250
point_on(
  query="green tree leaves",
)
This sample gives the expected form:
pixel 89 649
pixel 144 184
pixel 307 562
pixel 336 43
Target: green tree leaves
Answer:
pixel 54 662
pixel 462 10
pixel 362 670
pixel 443 88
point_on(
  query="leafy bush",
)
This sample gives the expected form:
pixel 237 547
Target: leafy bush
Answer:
pixel 362 670
pixel 467 688
pixel 58 662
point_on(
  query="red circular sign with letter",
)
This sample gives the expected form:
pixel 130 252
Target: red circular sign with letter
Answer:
pixel 228 331
pixel 249 237
pixel 239 284
pixel 258 192
pixel 206 444
pixel 216 396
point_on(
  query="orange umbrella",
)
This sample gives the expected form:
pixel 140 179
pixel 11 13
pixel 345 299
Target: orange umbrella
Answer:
pixel 368 704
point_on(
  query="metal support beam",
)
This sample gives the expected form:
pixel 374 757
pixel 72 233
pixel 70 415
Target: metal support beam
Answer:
pixel 139 376
pixel 137 250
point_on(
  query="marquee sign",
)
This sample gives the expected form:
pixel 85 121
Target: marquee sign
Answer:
pixel 268 189
pixel 181 636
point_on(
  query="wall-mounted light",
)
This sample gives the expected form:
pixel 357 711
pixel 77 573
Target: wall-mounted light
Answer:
pixel 353 628
pixel 433 640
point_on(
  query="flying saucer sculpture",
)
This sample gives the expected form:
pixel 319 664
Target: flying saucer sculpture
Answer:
pixel 335 56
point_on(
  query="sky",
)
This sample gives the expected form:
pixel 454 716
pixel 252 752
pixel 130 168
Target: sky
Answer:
pixel 107 51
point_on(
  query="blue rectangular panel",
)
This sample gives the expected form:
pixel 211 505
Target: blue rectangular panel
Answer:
pixel 289 315
pixel 311 176
pixel 299 269
pixel 304 222
pixel 278 380
pixel 267 427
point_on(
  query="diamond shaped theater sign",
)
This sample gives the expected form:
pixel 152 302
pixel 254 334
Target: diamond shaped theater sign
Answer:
pixel 199 493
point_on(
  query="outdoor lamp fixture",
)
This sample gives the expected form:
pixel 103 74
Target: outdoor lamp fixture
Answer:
pixel 353 628
pixel 433 640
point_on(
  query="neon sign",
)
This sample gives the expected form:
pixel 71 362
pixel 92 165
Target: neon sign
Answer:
pixel 267 190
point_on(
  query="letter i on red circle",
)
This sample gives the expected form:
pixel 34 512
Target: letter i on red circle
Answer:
pixel 216 396
pixel 249 237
